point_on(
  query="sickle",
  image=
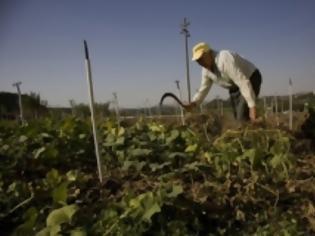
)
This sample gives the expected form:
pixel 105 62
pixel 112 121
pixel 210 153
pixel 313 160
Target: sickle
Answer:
pixel 165 95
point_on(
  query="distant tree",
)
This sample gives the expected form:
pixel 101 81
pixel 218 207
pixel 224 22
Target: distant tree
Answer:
pixel 83 110
pixel 102 109
pixel 33 106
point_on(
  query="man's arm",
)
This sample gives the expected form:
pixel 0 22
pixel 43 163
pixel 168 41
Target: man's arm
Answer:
pixel 202 92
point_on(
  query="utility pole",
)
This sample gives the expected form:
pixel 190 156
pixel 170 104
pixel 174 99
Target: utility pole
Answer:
pixel 180 97
pixel 185 32
pixel 116 105
pixel 17 85
pixel 72 105
pixel 290 104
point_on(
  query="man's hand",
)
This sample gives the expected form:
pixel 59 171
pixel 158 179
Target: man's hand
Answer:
pixel 252 114
pixel 190 106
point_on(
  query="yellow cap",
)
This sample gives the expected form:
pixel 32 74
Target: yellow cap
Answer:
pixel 199 49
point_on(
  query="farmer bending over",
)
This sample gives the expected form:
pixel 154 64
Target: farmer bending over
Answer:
pixel 231 71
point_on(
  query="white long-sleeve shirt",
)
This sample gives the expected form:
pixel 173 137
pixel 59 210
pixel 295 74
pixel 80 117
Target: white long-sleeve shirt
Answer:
pixel 231 69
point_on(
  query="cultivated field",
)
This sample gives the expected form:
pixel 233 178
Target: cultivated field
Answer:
pixel 159 178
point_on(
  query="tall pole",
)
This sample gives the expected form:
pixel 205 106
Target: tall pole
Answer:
pixel 116 105
pixel 185 32
pixel 180 97
pixel 17 85
pixel 92 109
pixel 290 104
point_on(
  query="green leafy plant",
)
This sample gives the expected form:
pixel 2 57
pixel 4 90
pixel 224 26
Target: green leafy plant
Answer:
pixel 159 180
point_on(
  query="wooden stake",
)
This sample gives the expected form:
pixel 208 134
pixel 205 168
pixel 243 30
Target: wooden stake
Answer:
pixel 92 109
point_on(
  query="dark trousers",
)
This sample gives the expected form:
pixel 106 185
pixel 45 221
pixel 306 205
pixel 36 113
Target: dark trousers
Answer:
pixel 239 104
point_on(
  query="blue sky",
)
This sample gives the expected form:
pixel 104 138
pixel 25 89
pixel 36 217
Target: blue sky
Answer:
pixel 137 51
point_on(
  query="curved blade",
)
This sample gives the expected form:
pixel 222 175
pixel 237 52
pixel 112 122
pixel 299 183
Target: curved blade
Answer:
pixel 165 95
